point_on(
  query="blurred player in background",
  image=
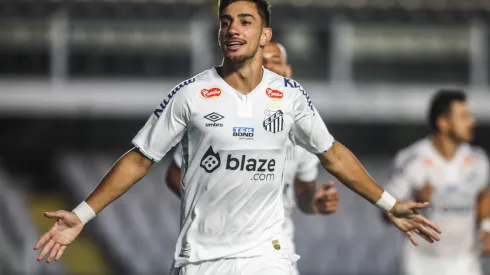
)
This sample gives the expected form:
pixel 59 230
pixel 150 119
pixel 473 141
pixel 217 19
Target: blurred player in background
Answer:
pixel 234 122
pixel 452 175
pixel 301 168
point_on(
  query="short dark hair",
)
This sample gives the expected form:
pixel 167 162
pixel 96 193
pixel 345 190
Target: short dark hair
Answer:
pixel 263 7
pixel 441 104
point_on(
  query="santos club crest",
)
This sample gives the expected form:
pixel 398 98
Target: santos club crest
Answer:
pixel 274 121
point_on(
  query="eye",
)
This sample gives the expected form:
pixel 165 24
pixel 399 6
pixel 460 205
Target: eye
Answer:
pixel 225 23
pixel 245 22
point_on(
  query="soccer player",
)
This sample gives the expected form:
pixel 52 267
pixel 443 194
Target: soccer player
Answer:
pixel 232 207
pixel 446 170
pixel 301 168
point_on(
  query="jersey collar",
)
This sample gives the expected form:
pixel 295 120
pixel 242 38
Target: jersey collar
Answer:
pixel 227 87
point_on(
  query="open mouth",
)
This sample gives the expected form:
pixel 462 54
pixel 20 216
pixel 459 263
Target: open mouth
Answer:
pixel 233 45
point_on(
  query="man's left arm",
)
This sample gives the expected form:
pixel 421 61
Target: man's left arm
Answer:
pixel 312 134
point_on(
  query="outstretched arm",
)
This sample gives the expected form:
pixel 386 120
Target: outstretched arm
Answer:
pixel 127 171
pixel 341 163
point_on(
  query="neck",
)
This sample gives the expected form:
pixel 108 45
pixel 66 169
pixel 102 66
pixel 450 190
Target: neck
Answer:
pixel 243 77
pixel 446 146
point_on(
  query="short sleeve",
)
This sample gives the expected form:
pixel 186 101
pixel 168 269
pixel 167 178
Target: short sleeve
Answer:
pixel 310 132
pixel 307 169
pixel 166 126
pixel 404 177
pixel 178 155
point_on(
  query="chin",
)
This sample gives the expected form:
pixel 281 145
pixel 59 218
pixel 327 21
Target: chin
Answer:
pixel 235 58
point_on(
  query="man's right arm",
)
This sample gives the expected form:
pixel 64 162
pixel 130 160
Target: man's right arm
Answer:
pixel 126 172
pixel 162 131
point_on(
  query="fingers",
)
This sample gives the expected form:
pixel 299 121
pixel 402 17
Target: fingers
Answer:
pixel 428 223
pixel 53 253
pixel 329 185
pixel 45 250
pixel 42 240
pixel 411 237
pixel 417 231
pixel 417 205
pixel 60 214
pixel 428 233
pixel 60 252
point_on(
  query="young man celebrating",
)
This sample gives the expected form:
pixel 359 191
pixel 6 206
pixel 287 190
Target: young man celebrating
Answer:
pixel 300 172
pixel 453 175
pixel 233 122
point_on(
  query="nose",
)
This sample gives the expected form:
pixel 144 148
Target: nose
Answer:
pixel 233 29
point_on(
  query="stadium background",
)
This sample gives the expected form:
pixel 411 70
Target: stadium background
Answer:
pixel 79 78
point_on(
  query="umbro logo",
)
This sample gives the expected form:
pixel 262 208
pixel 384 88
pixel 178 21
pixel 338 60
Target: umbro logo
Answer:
pixel 214 117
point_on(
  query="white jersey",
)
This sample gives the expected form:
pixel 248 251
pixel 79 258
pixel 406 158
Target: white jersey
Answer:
pixel 300 164
pixel 456 186
pixel 234 151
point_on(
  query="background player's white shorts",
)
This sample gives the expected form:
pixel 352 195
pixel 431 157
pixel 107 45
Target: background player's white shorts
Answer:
pixel 423 264
pixel 278 264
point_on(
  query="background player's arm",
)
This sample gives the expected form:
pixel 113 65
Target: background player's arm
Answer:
pixel 304 192
pixel 309 198
pixel 174 173
pixel 173 178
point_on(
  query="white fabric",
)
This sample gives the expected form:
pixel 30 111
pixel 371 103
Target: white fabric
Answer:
pixel 456 186
pixel 234 149
pixel 386 202
pixel 84 212
pixel 421 264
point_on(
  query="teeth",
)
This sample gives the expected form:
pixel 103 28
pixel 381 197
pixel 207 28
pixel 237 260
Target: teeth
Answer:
pixel 234 43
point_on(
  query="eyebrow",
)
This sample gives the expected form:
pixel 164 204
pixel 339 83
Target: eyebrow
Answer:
pixel 241 15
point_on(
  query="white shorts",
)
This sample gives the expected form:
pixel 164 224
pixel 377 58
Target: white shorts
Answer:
pixel 269 265
pixel 291 250
pixel 423 264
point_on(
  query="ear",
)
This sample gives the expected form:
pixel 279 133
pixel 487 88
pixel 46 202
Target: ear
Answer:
pixel 289 71
pixel 266 37
pixel 442 124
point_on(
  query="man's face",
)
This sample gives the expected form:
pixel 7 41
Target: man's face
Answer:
pixel 241 31
pixel 460 122
pixel 275 60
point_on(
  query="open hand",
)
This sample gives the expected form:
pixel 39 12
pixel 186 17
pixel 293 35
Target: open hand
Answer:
pixel 405 217
pixel 64 231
